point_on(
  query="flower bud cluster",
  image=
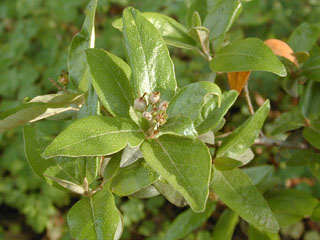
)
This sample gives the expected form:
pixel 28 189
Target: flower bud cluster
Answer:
pixel 153 110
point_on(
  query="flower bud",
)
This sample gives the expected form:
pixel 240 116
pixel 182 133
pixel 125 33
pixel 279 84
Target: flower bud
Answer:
pixel 154 97
pixel 164 105
pixel 140 104
pixel 147 115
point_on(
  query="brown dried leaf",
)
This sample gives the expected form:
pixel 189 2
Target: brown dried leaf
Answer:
pixel 237 80
pixel 282 49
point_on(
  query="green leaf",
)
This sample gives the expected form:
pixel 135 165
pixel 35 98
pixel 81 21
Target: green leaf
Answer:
pixel 95 136
pixel 243 137
pixel 95 218
pixel 91 106
pixel 290 205
pixel 224 228
pixel 310 100
pixel 69 169
pixel 110 79
pixel 249 54
pixel 312 134
pixel 173 33
pixel 113 167
pixel 197 5
pixel 212 114
pixel 255 234
pixel 316 214
pixel 147 192
pixel 190 99
pixel 188 221
pixel 314 166
pixel 221 15
pixel 77 62
pixel 185 163
pixel 133 178
pixel 170 193
pixel 225 163
pixel 304 37
pixel 288 121
pixel 130 155
pixel 311 69
pixel 237 191
pixel 180 126
pixel 39 108
pixel 148 56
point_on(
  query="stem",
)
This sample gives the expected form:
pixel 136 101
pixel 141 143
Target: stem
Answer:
pixel 277 143
pixel 248 99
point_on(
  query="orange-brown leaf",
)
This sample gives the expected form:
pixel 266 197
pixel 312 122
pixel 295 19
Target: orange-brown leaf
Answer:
pixel 282 49
pixel 237 80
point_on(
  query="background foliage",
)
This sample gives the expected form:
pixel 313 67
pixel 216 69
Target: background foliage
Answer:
pixel 34 39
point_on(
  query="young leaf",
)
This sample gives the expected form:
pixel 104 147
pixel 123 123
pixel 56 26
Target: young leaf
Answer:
pixel 290 205
pixel 249 54
pixel 110 79
pixel 212 114
pixel 95 136
pixel 237 191
pixel 282 49
pixel 133 178
pixel 95 218
pixel 180 126
pixel 68 185
pixel 310 100
pixel 243 137
pixel 304 37
pixel 190 99
pixel 311 69
pixel 184 163
pixel 255 234
pixel 148 56
pixel 219 23
pixel 288 121
pixel 173 33
pixel 201 7
pixel 237 80
pixel 39 108
pixel 224 228
pixel 77 62
pixel 170 193
pixel 188 221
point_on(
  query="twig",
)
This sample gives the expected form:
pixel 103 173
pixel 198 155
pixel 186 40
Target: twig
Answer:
pixel 277 143
pixel 248 99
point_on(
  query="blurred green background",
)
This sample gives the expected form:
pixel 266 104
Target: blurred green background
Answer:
pixel 34 40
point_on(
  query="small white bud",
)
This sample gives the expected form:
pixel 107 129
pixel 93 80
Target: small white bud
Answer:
pixel 140 104
pixel 147 115
pixel 164 105
pixel 154 97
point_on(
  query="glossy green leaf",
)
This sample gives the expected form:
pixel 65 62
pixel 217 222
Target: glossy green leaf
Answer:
pixel 288 121
pixel 212 114
pixel 110 79
pixel 312 134
pixel 185 163
pixel 201 7
pixel 243 137
pixel 224 228
pixel 188 221
pixel 310 100
pixel 304 37
pixel 173 33
pixel 179 125
pixel 95 136
pixel 69 169
pixel 255 234
pixel 133 178
pixel 77 62
pixel 148 56
pixel 290 205
pixel 170 193
pixel 249 54
pixel 237 191
pixel 221 15
pixel 95 218
pixel 190 99
pixel 39 108
pixel 311 69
